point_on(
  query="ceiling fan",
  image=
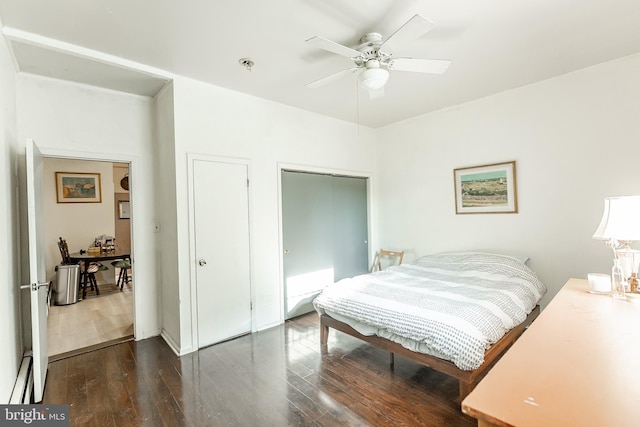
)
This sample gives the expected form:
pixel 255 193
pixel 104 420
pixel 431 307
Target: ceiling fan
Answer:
pixel 372 57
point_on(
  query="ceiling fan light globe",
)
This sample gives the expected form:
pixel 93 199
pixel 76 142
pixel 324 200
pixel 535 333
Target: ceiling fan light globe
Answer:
pixel 373 78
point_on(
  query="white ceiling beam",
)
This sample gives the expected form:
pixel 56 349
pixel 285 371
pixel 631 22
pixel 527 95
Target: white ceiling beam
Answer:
pixel 16 35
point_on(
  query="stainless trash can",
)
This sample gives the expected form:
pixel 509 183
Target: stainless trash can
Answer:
pixel 67 280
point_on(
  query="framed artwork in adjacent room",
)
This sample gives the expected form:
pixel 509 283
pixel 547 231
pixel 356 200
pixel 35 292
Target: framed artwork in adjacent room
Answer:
pixel 123 209
pixel 78 187
pixel 486 189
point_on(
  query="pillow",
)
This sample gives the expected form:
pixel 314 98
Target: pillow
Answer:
pixel 476 255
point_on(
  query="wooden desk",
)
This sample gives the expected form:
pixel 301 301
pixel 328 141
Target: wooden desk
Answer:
pixel 87 258
pixel 577 365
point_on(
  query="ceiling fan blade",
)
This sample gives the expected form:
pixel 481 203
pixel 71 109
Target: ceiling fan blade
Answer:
pixel 331 78
pixel 376 93
pixel 433 66
pixel 334 47
pixel 411 30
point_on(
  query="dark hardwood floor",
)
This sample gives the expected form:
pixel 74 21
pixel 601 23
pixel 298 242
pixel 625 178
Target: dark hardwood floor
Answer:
pixel 276 377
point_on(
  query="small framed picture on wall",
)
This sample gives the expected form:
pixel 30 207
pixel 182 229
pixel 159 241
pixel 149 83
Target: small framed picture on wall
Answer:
pixel 123 209
pixel 486 189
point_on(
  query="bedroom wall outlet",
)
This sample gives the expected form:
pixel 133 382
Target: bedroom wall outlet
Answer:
pixel 156 227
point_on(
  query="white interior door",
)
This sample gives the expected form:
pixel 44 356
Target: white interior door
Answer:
pixel 221 210
pixel 37 270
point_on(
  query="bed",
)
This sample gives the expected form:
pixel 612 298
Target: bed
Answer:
pixel 454 312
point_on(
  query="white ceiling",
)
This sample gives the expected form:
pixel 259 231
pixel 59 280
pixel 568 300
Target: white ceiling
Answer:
pixel 494 45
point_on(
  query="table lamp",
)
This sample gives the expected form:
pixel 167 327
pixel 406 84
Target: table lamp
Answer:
pixel 619 226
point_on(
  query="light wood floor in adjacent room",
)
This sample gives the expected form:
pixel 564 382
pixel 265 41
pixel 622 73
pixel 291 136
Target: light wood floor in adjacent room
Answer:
pixel 92 321
pixel 276 377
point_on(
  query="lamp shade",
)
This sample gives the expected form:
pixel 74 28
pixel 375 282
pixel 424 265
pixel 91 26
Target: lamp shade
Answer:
pixel 373 78
pixel 620 219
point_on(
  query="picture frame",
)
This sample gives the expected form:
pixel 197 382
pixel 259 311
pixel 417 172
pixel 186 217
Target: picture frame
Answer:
pixel 486 189
pixel 78 187
pixel 124 211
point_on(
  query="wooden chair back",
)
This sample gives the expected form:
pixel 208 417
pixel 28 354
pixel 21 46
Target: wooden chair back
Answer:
pixel 384 259
pixel 64 251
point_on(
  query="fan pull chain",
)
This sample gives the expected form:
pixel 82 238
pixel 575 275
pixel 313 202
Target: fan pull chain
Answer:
pixel 357 106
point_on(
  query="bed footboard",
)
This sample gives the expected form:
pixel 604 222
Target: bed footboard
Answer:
pixel 467 379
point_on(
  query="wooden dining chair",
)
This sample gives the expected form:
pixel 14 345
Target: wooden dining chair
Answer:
pixel 64 251
pixel 90 271
pixel 384 259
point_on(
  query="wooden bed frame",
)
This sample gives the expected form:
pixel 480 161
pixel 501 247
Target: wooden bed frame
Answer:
pixel 467 379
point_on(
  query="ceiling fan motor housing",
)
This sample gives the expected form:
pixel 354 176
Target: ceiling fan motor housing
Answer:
pixel 370 49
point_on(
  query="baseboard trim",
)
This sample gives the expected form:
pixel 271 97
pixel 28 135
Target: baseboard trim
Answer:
pixel 170 342
pixel 24 382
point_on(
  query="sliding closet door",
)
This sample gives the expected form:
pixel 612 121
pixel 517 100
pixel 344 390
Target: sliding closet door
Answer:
pixel 324 221
pixel 349 227
pixel 307 237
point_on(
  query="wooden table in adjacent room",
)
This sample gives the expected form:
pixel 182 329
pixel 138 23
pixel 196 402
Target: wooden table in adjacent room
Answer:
pixel 86 258
pixel 576 365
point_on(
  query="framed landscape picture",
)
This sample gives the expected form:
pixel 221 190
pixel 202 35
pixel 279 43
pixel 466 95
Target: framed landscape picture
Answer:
pixel 78 187
pixel 486 189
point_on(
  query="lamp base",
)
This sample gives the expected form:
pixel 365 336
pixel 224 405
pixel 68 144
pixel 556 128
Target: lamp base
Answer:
pixel 633 284
pixel 629 261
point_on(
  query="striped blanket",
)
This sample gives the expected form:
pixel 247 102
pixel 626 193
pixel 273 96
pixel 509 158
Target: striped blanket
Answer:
pixel 452 306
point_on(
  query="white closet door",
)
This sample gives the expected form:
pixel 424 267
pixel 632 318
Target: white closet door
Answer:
pixel 222 250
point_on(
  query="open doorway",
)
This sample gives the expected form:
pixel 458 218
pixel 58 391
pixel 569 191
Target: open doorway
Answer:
pixel 100 318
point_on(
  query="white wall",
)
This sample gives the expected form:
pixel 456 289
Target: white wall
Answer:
pixel 167 252
pixel 575 139
pixel 77 223
pixel 215 121
pixel 70 120
pixel 10 331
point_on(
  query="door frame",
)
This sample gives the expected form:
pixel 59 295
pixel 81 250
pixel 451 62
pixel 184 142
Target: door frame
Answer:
pixel 193 287
pixel 372 237
pixel 133 162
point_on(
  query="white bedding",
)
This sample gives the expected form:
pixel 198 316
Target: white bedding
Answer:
pixel 452 306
